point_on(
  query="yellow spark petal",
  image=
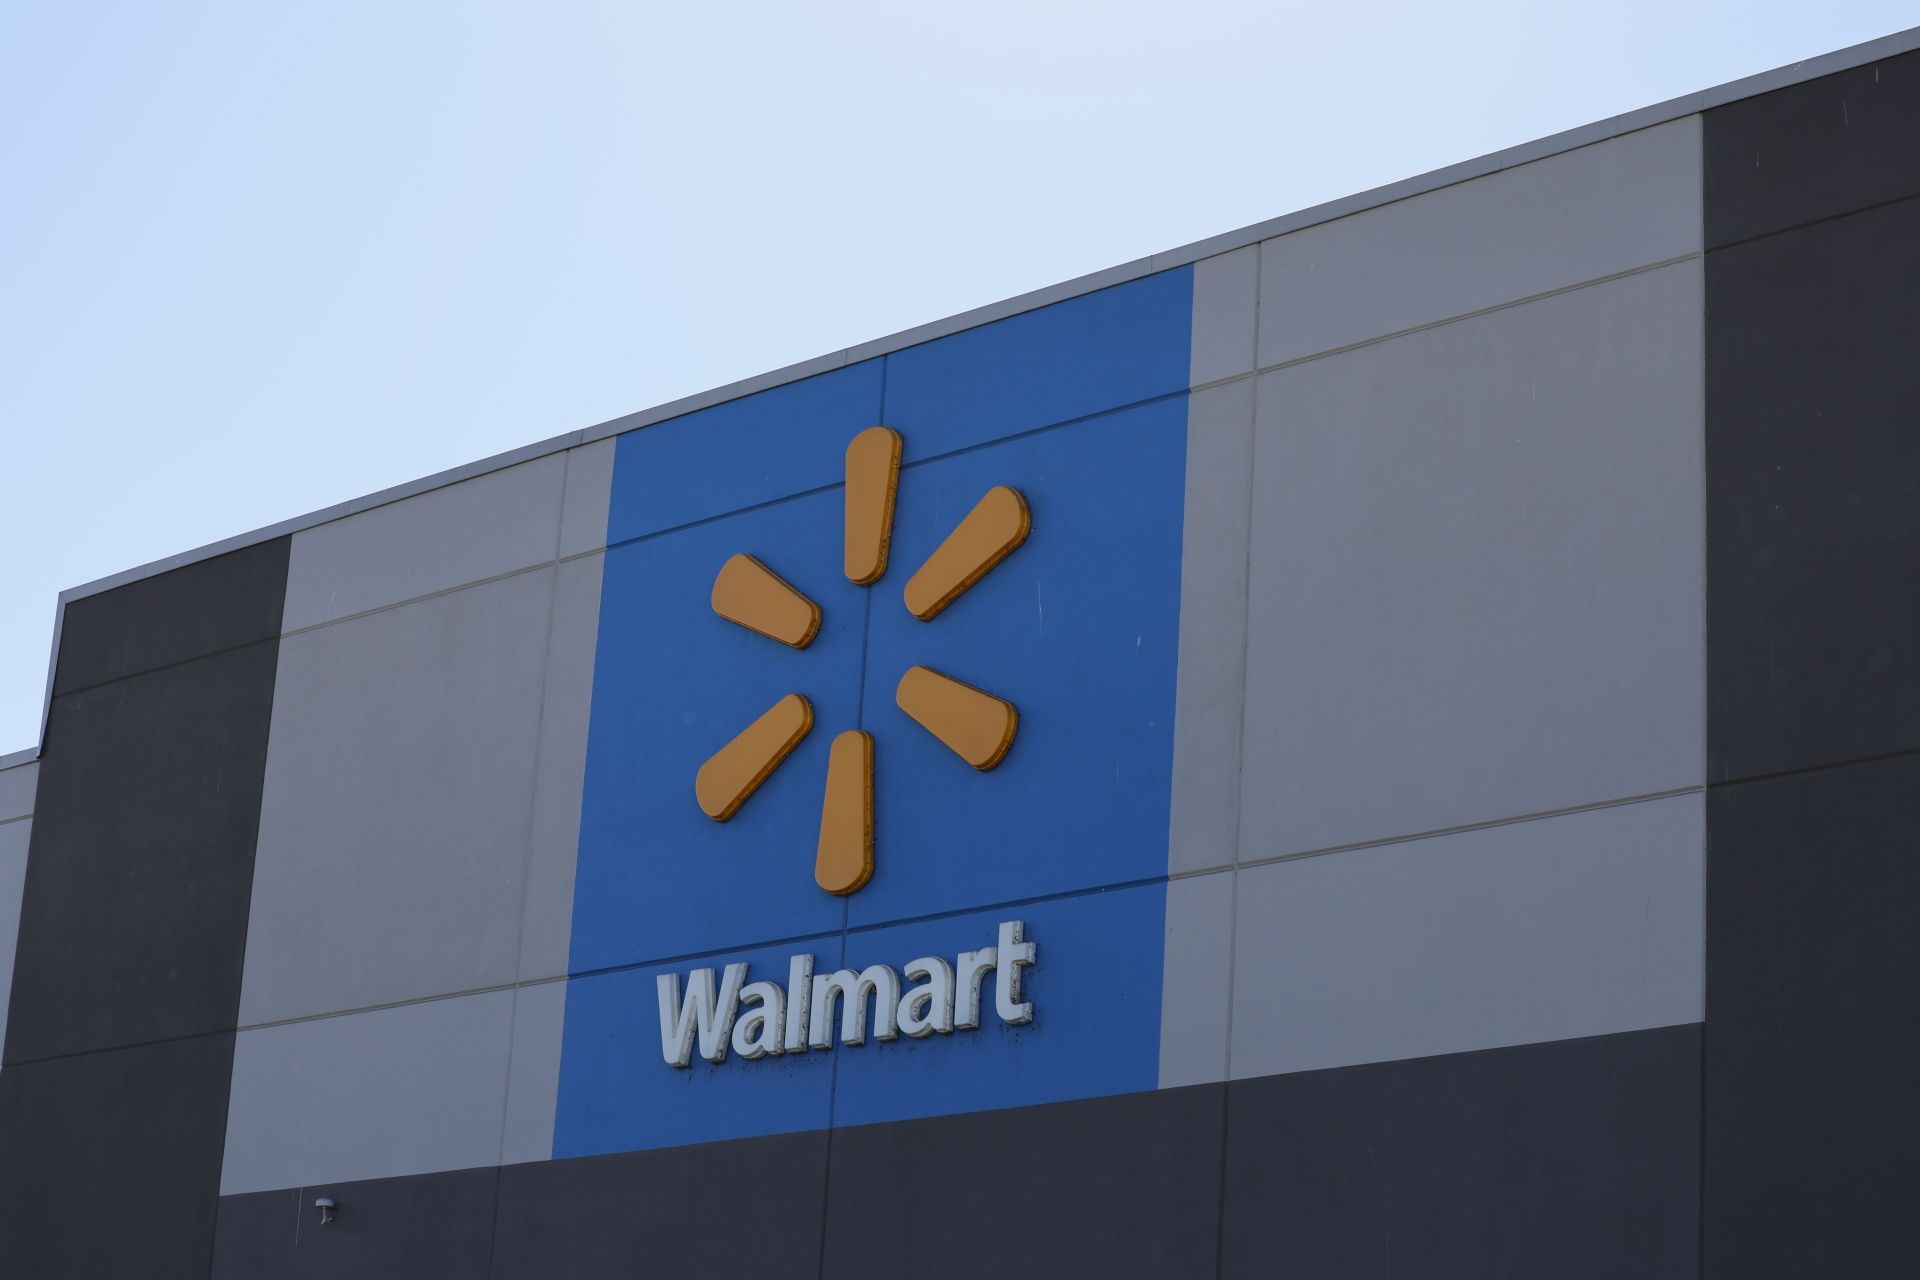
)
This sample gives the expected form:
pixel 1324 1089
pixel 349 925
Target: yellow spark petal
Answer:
pixel 749 593
pixel 873 477
pixel 736 770
pixel 989 534
pixel 845 860
pixel 975 725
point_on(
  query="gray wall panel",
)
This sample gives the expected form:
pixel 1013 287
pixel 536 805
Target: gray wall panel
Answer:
pixel 566 706
pixel 1211 686
pixel 398 804
pixel 13 883
pixel 1477 571
pixel 1581 215
pixel 589 488
pixel 533 1077
pixel 1577 925
pixel 1196 983
pixel 1225 290
pixel 479 528
pixel 16 790
pixel 417 1088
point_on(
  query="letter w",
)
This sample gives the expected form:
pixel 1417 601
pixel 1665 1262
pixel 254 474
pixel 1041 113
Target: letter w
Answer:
pixel 715 1013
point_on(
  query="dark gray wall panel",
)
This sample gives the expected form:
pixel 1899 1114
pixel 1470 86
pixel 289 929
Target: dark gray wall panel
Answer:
pixel 203 608
pixel 1572 1159
pixel 252 1232
pixel 110 1162
pixel 1829 146
pixel 1110 1187
pixel 13 882
pixel 434 1227
pixel 1813 495
pixel 134 920
pixel 1812 1136
pixel 750 1207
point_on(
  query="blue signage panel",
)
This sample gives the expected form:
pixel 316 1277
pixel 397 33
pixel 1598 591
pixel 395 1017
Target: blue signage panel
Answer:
pixel 1081 408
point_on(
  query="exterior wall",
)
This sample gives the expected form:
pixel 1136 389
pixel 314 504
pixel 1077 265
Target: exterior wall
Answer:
pixel 17 785
pixel 1814 695
pixel 126 980
pixel 1467 710
pixel 398 905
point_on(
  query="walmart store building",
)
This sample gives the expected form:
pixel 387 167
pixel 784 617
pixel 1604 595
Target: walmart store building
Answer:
pixel 1385 744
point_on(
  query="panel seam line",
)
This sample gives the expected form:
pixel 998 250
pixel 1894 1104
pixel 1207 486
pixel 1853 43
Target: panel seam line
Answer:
pixel 1479 312
pixel 1456 830
pixel 1813 222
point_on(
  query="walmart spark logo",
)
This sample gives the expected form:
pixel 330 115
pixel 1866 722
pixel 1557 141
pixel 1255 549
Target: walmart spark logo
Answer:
pixel 975 725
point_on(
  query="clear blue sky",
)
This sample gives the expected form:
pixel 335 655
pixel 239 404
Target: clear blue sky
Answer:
pixel 261 258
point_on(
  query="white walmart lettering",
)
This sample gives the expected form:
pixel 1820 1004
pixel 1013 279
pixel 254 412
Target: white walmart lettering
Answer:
pixel 763 1019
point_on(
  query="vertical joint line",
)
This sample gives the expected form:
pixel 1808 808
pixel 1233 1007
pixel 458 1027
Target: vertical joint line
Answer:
pixel 833 1099
pixel 866 627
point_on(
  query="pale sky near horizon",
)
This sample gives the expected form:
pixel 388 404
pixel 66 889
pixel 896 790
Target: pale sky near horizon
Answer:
pixel 263 258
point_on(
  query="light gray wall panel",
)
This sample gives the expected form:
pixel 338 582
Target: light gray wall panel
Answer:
pixel 565 710
pixel 1477 571
pixel 479 528
pixel 583 516
pixel 1213 628
pixel 1196 987
pixel 417 1088
pixel 533 1079
pixel 1224 293
pixel 396 813
pixel 13 884
pixel 1576 925
pixel 16 790
pixel 1602 209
